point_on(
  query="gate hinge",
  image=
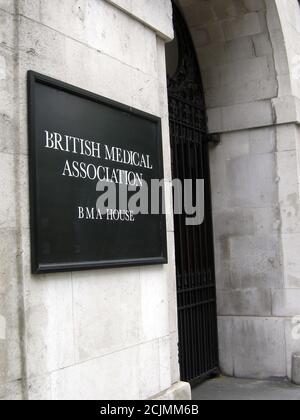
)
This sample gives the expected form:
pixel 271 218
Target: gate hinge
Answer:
pixel 214 139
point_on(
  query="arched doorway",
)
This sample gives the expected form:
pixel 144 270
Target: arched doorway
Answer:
pixel 197 317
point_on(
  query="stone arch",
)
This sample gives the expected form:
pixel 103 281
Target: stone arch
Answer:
pixel 242 53
pixel 249 58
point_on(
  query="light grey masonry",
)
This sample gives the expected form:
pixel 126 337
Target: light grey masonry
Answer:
pixel 113 334
pixel 249 56
pixel 103 334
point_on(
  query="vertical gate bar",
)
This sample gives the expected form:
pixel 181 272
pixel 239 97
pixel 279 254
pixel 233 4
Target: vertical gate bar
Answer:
pixel 198 262
pixel 199 246
pixel 192 229
pixel 212 258
pixel 187 250
pixel 179 218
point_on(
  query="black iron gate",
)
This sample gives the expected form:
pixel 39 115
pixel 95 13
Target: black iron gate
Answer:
pixel 198 343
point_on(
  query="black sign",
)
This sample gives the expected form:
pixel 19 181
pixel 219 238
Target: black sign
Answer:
pixel 80 145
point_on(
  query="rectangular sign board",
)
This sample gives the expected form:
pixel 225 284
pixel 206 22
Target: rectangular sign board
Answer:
pixel 81 145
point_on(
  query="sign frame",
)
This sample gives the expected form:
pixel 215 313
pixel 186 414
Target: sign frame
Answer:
pixel 33 78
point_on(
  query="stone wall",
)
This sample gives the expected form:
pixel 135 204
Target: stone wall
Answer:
pixel 91 335
pixel 247 52
pixel 286 301
pixel 113 334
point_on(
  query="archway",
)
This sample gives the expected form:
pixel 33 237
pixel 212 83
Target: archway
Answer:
pixel 197 319
pixel 250 72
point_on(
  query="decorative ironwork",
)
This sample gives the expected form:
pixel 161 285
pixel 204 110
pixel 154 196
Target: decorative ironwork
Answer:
pixel 198 343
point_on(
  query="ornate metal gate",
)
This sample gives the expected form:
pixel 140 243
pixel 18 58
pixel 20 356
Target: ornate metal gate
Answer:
pixel 198 343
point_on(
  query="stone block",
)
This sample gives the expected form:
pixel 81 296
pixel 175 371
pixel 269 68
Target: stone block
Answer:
pixel 96 71
pixel 12 391
pixel 222 266
pixel 2 68
pixel 287 136
pixel 2 328
pixel 159 18
pixel 211 56
pixel 244 25
pixel 286 303
pixel 7 5
pixel 262 45
pixel 252 180
pixel 149 369
pixel 286 109
pixel 263 140
pixel 259 348
pixel 7 30
pixel 239 49
pixel 165 363
pixel 226 9
pixel 279 52
pixel 10 340
pixel 290 85
pixel 226 356
pixel 233 222
pixel 214 120
pixel 154 302
pixel 199 13
pixel 215 32
pixel 113 377
pixel 237 73
pixel 145 92
pixel 290 216
pixel 30 9
pixel 218 175
pixel 266 221
pixel 58 56
pixel 143 48
pixel 23 211
pixel 241 92
pixel 7 102
pixel 7 191
pixel 291 243
pixel 240 117
pixel 106 314
pixel 130 42
pixel 254 5
pixel 251 271
pixel 287 174
pixel 255 262
pixel 39 388
pixel 41 49
pixel 252 302
pixel 233 145
pixel 48 316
